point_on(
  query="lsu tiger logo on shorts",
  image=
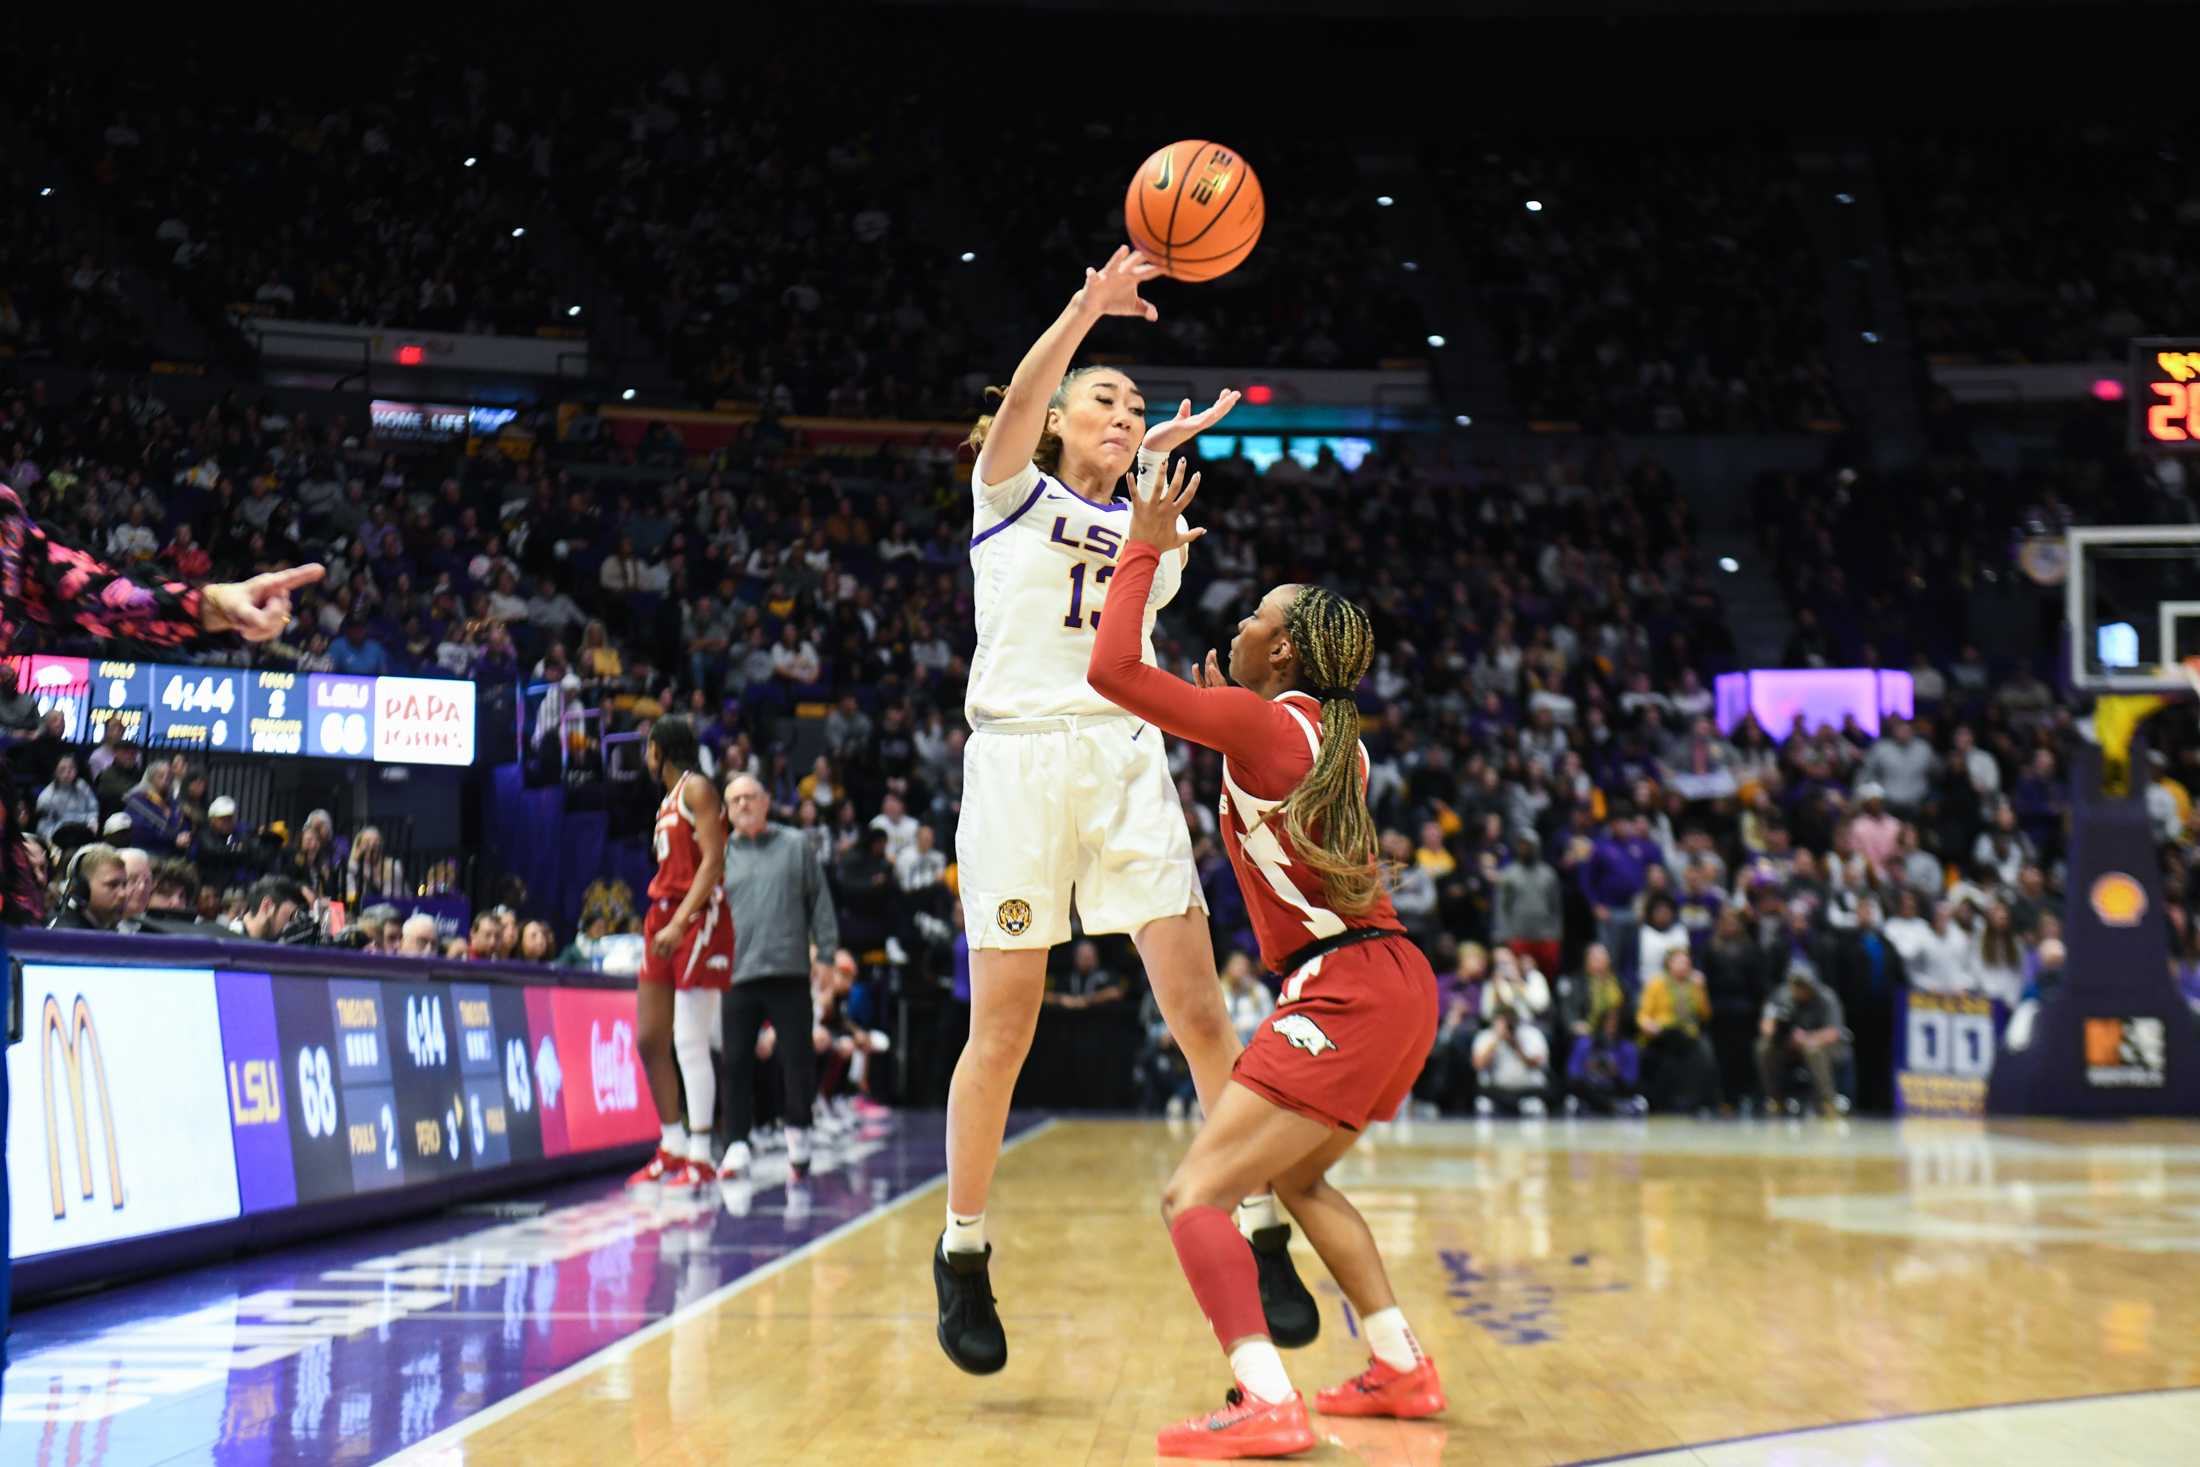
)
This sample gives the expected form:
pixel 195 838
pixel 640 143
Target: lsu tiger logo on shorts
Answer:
pixel 1014 917
pixel 1303 1033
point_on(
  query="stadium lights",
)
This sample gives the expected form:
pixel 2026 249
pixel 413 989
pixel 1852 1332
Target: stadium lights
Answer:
pixel 1844 198
pixel 1729 564
pixel 46 193
pixel 1411 264
pixel 1437 342
pixel 1871 338
pixel 968 256
pixel 1463 421
pixel 572 310
pixel 1384 200
pixel 627 396
pixel 1535 206
pixel 518 233
pixel 470 162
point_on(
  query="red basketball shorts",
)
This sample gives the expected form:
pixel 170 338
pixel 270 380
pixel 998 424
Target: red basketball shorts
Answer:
pixel 703 958
pixel 1352 1038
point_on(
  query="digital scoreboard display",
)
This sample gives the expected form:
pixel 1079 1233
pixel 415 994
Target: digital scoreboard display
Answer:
pixel 322 715
pixel 2164 394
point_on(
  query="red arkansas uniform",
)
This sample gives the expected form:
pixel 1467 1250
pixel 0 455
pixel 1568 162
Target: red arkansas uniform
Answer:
pixel 1358 1015
pixel 704 956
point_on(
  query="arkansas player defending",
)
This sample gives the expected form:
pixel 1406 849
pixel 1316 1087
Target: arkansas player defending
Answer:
pixel 687 963
pixel 1359 1002
pixel 1063 789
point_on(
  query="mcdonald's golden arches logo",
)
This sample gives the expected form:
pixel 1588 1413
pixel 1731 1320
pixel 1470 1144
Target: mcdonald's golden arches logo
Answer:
pixel 2118 900
pixel 77 1039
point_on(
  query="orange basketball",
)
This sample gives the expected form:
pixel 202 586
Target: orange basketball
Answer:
pixel 1195 209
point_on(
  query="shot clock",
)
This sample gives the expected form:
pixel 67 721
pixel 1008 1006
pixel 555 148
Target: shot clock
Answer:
pixel 2164 393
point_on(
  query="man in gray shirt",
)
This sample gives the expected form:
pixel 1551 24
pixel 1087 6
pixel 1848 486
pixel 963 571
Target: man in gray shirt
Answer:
pixel 1904 765
pixel 1531 913
pixel 782 914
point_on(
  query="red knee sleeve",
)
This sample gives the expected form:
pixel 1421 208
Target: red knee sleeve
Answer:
pixel 1218 1263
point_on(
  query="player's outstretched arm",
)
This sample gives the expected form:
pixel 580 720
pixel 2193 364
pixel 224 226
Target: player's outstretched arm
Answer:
pixel 1232 721
pixel 1111 290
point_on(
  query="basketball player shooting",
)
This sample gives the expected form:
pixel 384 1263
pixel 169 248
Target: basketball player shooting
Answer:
pixel 1062 789
pixel 1358 1014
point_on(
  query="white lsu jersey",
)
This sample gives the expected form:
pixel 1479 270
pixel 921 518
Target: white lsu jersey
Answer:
pixel 1041 557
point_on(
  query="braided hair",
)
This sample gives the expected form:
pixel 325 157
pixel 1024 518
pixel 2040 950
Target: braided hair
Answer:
pixel 1326 815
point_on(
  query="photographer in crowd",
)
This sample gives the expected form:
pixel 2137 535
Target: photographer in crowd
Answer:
pixel 271 905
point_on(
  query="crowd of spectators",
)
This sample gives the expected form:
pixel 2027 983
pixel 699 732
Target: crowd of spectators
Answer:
pixel 1579 847
pixel 783 246
pixel 357 208
pixel 2054 244
pixel 1662 286
pixel 61 295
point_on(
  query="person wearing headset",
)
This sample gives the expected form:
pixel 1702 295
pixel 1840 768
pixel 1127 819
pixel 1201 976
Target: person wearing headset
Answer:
pixel 95 891
pixel 47 583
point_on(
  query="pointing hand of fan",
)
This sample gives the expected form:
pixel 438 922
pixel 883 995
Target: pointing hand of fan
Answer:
pixel 259 609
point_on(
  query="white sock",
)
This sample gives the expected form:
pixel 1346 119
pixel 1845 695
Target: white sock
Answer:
pixel 1390 1339
pixel 964 1234
pixel 672 1140
pixel 698 1147
pixel 1259 1369
pixel 798 1143
pixel 1255 1213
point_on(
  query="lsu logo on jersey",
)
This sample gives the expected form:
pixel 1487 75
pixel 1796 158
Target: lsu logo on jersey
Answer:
pixel 1303 1033
pixel 1014 917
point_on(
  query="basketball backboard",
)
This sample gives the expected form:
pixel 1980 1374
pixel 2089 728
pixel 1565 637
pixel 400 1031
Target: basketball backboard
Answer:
pixel 2132 606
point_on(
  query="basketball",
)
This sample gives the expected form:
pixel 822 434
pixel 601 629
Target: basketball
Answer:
pixel 1194 209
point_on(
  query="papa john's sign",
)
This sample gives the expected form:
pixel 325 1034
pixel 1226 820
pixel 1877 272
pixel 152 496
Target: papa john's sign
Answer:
pixel 119 1125
pixel 423 721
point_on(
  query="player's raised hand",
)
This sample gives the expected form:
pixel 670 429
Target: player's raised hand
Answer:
pixel 1155 516
pixel 1185 426
pixel 1112 290
pixel 1211 674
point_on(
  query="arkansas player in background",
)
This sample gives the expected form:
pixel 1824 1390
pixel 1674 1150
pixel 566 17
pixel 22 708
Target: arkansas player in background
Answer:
pixel 687 960
pixel 1359 1002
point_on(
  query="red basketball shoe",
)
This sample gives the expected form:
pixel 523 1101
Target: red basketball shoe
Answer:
pixel 1381 1390
pixel 1243 1427
pixel 664 1169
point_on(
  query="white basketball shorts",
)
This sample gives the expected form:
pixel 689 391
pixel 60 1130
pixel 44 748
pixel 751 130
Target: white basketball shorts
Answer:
pixel 1056 805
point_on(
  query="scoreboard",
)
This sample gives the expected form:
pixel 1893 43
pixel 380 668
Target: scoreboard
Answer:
pixel 2163 390
pixel 324 715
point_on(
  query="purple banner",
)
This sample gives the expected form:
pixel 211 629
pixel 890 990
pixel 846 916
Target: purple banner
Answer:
pixel 257 1095
pixel 453 914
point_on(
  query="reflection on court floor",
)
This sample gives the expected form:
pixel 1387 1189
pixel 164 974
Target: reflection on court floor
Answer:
pixel 1671 1292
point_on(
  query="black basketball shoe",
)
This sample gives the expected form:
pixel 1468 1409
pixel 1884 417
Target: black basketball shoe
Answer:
pixel 1293 1317
pixel 970 1329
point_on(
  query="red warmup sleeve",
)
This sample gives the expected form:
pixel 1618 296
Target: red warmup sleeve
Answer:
pixel 59 586
pixel 1235 722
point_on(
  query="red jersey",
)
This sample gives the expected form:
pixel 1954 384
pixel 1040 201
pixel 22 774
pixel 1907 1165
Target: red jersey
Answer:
pixel 679 853
pixel 1267 746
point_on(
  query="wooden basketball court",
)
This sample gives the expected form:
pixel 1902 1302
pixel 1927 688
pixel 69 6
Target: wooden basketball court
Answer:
pixel 1591 1291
